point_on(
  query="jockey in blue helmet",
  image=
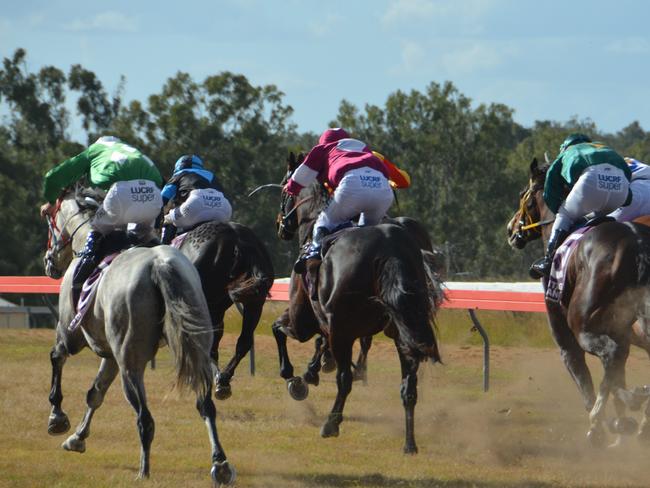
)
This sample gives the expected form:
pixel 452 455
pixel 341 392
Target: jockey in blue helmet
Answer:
pixel 196 197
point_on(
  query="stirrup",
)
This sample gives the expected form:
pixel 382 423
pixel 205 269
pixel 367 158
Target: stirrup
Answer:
pixel 540 268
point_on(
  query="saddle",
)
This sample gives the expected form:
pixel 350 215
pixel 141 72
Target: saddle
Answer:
pixel 310 277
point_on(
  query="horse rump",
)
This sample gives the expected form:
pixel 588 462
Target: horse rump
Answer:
pixel 410 308
pixel 187 326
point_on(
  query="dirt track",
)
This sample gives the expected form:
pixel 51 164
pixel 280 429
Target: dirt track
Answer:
pixel 527 431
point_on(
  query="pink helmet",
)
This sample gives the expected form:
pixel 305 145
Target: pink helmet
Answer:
pixel 333 135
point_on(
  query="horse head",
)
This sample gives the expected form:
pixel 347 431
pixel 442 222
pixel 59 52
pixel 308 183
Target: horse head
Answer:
pixel 527 224
pixel 287 220
pixel 66 232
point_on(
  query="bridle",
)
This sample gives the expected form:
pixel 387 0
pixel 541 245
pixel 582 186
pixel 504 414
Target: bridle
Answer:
pixel 527 222
pixel 287 220
pixel 56 239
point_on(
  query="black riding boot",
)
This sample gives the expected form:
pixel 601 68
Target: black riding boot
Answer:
pixel 87 263
pixel 168 234
pixel 312 251
pixel 542 267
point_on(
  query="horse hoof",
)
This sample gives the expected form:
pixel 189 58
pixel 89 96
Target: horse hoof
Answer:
pixel 311 378
pixel 597 437
pixel 223 474
pixel 58 424
pixel 329 429
pixel 75 444
pixel 624 426
pixel 298 389
pixel 328 365
pixel 410 449
pixel 644 434
pixel 223 392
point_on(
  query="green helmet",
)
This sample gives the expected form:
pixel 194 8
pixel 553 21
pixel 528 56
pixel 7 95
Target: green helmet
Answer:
pixel 575 138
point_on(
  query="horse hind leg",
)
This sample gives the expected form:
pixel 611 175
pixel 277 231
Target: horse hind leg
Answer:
pixel 222 472
pixel 132 382
pixel 251 314
pixel 108 370
pixel 409 394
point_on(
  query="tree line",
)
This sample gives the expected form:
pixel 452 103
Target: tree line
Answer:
pixel 467 162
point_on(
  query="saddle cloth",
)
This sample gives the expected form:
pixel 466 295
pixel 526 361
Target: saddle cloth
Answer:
pixel 89 289
pixel 557 276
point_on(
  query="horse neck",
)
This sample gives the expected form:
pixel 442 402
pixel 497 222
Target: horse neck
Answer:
pixel 75 222
pixel 308 213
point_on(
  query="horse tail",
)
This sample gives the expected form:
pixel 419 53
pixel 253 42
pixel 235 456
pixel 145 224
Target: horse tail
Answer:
pixel 434 268
pixel 254 271
pixel 187 325
pixel 408 303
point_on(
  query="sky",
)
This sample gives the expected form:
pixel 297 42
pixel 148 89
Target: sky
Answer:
pixel 549 60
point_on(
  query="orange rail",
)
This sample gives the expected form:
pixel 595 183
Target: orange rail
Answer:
pixel 514 301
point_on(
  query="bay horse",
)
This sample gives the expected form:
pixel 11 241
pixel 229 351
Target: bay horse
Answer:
pixel 435 262
pixel 234 267
pixel 147 296
pixel 372 279
pixel 606 286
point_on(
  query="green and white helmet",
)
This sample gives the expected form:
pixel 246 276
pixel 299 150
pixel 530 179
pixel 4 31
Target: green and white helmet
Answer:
pixel 575 138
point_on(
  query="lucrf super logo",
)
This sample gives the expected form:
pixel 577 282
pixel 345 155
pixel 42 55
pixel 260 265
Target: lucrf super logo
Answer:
pixel 211 201
pixel 370 181
pixel 609 182
pixel 142 193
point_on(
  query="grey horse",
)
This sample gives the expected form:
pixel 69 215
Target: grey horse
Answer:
pixel 147 297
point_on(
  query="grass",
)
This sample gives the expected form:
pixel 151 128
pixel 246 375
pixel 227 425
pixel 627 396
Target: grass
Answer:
pixel 527 431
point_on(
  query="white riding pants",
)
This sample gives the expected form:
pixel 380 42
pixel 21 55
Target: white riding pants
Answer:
pixel 128 202
pixel 362 191
pixel 600 190
pixel 640 204
pixel 202 205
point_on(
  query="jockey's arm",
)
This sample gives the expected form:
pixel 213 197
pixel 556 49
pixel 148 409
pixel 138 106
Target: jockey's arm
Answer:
pixel 554 186
pixel 308 171
pixel 64 175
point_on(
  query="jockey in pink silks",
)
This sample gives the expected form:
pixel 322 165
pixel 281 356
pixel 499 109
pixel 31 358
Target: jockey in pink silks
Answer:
pixel 358 179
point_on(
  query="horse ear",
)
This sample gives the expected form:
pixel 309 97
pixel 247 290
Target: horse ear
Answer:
pixel 534 169
pixel 301 157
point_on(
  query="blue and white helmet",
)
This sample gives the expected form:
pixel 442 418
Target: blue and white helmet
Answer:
pixel 188 161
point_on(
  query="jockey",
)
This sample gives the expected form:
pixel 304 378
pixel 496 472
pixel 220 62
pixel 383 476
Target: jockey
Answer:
pixel 196 195
pixel 132 182
pixel 640 188
pixel 359 181
pixel 586 178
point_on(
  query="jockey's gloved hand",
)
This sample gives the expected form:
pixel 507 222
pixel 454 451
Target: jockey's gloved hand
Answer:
pixel 47 209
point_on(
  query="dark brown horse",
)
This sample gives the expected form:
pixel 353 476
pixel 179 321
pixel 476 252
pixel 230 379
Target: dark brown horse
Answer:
pixel 605 290
pixel 234 267
pixel 372 279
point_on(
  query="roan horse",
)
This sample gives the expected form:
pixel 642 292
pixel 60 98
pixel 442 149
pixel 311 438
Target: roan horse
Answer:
pixel 234 266
pixel 146 296
pixel 605 290
pixel 371 279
